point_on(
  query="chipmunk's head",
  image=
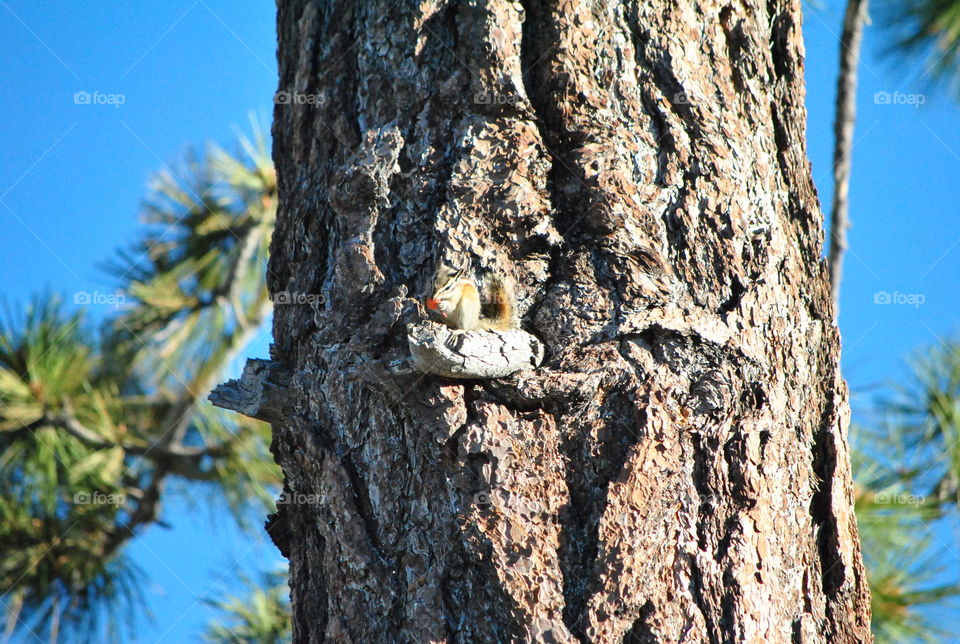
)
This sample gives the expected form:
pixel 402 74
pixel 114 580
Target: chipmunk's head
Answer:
pixel 447 290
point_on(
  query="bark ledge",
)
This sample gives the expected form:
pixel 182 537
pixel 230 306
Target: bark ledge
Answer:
pixel 439 350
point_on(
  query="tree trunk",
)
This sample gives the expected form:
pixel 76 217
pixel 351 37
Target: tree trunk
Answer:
pixel 677 469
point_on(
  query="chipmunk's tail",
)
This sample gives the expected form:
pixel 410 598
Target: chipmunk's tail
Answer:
pixel 501 303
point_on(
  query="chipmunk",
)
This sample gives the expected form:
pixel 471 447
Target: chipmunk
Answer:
pixel 457 299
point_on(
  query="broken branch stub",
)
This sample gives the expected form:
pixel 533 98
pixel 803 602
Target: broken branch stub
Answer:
pixel 259 393
pixel 439 350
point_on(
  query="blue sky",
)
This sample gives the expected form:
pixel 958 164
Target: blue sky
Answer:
pixel 72 177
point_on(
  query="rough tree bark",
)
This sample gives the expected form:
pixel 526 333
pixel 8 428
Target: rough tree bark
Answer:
pixel 677 470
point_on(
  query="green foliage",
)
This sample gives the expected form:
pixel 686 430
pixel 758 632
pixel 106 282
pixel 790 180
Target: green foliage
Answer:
pixel 929 29
pixel 262 616
pixel 93 423
pixel 902 557
pixel 906 471
pixel 59 499
pixel 197 276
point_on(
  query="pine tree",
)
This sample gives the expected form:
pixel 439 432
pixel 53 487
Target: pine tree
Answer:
pixel 95 420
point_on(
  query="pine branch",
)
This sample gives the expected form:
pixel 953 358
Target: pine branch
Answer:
pixel 170 451
pixel 845 120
